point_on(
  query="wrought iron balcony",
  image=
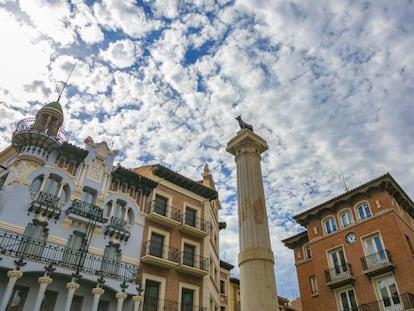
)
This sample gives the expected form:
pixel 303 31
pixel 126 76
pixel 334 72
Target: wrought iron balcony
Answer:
pixel 46 204
pixel 377 263
pixel 159 255
pixel 395 303
pixel 339 276
pixel 27 248
pixel 27 126
pixel 193 264
pixel 195 226
pixel 86 210
pixel 153 304
pixel 117 228
pixel 163 214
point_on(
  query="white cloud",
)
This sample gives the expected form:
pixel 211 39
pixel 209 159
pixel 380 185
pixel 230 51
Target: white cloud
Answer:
pixel 121 53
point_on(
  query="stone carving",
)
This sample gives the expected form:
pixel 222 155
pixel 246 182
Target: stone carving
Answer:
pixel 244 125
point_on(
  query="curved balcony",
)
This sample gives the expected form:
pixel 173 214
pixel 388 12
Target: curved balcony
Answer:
pixel 26 134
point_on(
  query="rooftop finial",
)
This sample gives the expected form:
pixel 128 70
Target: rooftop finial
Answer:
pixel 65 83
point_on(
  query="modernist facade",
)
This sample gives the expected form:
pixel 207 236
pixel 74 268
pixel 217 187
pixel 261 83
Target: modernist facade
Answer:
pixel 357 252
pixel 80 233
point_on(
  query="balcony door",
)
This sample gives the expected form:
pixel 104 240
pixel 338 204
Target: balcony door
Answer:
pixel 151 295
pixel 156 245
pixel 375 251
pixel 347 300
pixel 160 205
pixel 338 263
pixel 187 300
pixel 189 255
pixel 390 300
pixel 190 217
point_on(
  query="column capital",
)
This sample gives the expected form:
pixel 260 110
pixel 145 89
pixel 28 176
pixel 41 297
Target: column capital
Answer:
pixel 72 285
pixel 98 291
pixel 14 274
pixel 45 280
pixel 137 298
pixel 247 141
pixel 121 296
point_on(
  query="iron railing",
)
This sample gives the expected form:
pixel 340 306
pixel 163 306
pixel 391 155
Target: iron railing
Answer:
pixel 196 222
pixel 375 260
pixel 27 125
pixel 163 210
pixel 117 227
pixel 86 210
pixel 16 245
pixel 154 304
pixel 338 273
pixel 395 303
pixel 159 250
pixel 46 204
pixel 190 260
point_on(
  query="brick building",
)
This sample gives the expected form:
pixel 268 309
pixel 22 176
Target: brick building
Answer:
pixel 357 252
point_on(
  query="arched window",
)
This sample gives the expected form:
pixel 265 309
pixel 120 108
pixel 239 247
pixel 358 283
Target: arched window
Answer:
pixel 88 195
pixel 363 211
pixel 307 251
pixel 346 218
pixel 330 225
pixel 36 184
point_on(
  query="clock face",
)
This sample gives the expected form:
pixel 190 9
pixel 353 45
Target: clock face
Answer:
pixel 351 238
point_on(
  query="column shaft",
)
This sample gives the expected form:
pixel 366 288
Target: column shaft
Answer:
pixel 13 276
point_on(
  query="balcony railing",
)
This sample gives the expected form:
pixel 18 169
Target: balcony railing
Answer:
pixel 196 222
pixel 27 125
pixel 47 205
pixel 152 248
pixel 395 303
pixel 153 304
pixel 86 210
pixel 194 261
pixel 338 276
pixel 163 212
pixel 118 228
pixel 377 263
pixel 16 245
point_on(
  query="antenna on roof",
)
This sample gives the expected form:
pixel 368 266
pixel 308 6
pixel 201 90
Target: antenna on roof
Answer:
pixel 65 83
pixel 343 180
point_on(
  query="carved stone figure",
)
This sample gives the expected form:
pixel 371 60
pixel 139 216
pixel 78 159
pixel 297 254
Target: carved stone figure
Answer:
pixel 244 125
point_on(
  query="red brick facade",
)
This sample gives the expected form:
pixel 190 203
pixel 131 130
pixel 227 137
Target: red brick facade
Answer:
pixel 374 268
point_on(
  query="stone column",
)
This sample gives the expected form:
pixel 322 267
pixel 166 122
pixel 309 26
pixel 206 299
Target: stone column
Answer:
pixel 137 302
pixel 72 287
pixel 120 297
pixel 13 276
pixel 256 262
pixel 97 293
pixel 44 281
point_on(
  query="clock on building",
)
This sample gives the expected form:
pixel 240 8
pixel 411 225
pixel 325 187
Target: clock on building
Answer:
pixel 351 238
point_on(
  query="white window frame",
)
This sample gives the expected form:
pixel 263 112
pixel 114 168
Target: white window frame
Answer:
pixel 338 262
pixel 374 251
pixel 332 225
pixel 348 216
pixel 195 288
pixel 314 285
pixel 364 207
pixel 338 297
pixel 393 306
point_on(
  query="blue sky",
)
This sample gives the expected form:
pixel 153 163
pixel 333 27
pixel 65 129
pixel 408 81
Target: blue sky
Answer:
pixel 329 87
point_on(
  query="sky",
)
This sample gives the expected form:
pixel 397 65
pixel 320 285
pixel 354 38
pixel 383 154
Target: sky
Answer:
pixel 329 84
